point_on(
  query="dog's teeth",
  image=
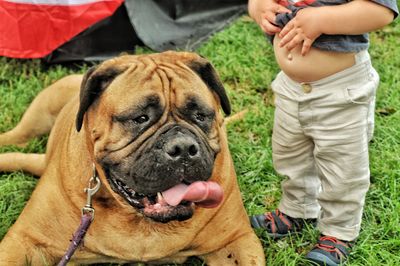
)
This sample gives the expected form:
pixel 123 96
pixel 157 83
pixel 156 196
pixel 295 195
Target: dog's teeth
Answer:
pixel 160 199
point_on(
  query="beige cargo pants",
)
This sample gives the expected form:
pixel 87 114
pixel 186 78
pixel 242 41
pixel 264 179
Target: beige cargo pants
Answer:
pixel 320 144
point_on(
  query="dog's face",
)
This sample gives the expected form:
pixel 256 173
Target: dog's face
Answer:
pixel 154 125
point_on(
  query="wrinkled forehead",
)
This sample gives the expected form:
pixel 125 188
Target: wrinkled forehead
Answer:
pixel 148 79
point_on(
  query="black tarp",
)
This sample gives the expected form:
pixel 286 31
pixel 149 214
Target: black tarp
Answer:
pixel 158 24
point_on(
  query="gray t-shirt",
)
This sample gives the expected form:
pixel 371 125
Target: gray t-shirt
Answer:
pixel 337 43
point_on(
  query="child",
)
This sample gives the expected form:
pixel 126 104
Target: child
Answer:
pixel 325 97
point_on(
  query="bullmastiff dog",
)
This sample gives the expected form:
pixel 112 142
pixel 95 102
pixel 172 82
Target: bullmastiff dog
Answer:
pixel 151 128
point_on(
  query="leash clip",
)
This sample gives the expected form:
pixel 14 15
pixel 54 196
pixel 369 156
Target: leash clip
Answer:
pixel 91 190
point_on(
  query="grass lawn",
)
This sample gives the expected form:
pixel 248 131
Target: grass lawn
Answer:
pixel 246 64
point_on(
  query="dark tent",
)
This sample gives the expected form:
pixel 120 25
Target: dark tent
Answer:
pixel 159 24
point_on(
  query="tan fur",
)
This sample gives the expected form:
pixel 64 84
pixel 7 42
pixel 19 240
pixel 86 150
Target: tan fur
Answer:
pixel 235 117
pixel 220 236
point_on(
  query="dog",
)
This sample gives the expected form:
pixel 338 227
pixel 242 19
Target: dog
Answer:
pixel 150 128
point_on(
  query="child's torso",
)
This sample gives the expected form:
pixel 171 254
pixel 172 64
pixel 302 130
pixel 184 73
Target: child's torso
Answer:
pixel 315 65
pixel 318 63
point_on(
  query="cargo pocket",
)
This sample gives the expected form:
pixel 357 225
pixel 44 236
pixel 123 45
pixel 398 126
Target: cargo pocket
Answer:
pixel 363 94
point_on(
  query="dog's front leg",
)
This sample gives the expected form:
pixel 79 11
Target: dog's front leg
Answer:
pixel 40 116
pixel 14 250
pixel 27 162
pixel 244 251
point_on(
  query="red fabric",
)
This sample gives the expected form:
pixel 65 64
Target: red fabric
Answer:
pixel 301 3
pixel 34 30
pixel 304 3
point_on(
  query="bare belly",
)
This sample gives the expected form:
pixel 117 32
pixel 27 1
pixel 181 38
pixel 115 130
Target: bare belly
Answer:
pixel 315 65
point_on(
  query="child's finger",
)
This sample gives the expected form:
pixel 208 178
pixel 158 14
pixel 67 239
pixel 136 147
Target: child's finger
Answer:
pixel 267 23
pixel 306 46
pixel 269 28
pixel 285 30
pixel 287 37
pixel 295 41
pixel 282 9
pixel 270 16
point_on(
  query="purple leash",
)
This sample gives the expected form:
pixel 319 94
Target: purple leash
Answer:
pixel 86 220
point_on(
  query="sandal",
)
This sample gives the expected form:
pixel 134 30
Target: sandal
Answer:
pixel 329 251
pixel 278 225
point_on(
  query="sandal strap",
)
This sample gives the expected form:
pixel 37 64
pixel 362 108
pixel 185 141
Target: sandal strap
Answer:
pixel 332 243
pixel 276 222
pixel 280 221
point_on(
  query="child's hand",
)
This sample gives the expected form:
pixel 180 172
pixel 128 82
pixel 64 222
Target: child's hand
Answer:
pixel 264 13
pixel 302 30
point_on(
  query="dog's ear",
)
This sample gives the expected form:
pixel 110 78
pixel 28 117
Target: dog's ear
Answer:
pixel 94 82
pixel 209 75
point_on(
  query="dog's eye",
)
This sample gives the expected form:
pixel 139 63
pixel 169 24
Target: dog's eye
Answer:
pixel 200 117
pixel 141 119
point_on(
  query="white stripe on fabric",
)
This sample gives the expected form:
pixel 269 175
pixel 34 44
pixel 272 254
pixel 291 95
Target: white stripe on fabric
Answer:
pixel 57 2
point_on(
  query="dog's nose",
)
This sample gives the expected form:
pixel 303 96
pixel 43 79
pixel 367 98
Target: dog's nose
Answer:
pixel 181 147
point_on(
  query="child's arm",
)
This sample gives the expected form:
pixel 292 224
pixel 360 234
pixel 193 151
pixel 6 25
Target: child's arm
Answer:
pixel 355 17
pixel 264 13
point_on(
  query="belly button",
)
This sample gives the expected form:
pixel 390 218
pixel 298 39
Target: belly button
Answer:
pixel 290 57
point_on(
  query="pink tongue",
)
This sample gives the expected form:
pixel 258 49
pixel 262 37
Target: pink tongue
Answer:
pixel 206 194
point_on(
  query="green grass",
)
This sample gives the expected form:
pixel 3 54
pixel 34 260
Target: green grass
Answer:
pixel 246 64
